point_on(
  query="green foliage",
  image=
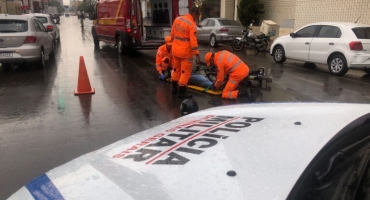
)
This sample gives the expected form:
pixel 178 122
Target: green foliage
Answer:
pixel 249 11
pixel 86 6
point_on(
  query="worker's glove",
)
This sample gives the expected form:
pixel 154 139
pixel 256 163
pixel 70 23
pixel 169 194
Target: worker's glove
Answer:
pixel 162 77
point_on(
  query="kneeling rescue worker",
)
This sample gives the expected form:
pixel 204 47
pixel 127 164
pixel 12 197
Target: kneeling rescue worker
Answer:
pixel 164 60
pixel 184 46
pixel 227 63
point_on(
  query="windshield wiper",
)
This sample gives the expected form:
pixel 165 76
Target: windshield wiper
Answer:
pixel 339 156
pixel 357 176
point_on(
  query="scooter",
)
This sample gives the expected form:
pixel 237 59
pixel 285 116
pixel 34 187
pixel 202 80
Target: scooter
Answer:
pixel 255 78
pixel 260 42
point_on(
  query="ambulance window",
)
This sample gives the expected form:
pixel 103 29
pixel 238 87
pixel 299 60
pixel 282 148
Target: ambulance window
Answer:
pixel 340 170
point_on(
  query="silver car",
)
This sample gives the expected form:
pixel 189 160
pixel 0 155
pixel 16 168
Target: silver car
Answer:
pixel 218 30
pixel 24 38
pixel 49 24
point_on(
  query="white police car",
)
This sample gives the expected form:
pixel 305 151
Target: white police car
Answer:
pixel 257 151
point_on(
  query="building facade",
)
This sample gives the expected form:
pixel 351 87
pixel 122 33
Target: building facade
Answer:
pixel 309 11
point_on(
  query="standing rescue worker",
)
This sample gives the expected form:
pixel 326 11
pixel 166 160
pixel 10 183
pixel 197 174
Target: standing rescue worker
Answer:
pixel 184 47
pixel 227 63
pixel 164 60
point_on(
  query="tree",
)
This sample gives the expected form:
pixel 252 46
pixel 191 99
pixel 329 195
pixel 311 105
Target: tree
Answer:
pixel 87 6
pixel 250 11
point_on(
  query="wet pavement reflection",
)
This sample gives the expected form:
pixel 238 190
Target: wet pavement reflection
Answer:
pixel 43 124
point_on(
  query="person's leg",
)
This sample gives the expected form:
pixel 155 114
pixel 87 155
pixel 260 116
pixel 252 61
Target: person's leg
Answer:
pixel 176 74
pixel 199 80
pixel 234 79
pixel 186 67
pixel 229 91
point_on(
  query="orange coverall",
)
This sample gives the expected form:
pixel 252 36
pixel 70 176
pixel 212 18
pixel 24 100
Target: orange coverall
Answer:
pixel 184 46
pixel 228 63
pixel 159 59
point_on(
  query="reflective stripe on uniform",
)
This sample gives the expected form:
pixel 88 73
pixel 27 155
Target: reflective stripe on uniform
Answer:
pixel 230 95
pixel 233 82
pixel 221 56
pixel 182 39
pixel 185 20
pixel 230 57
pixel 235 65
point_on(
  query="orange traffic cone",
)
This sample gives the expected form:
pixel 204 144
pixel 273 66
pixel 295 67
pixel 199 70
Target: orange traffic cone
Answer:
pixel 83 85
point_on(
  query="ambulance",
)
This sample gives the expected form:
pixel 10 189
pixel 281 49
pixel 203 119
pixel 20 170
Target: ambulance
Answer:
pixel 121 22
pixel 266 151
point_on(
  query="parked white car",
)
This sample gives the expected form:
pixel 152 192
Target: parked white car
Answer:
pixel 23 38
pixel 48 22
pixel 341 46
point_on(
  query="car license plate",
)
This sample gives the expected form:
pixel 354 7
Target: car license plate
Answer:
pixel 6 55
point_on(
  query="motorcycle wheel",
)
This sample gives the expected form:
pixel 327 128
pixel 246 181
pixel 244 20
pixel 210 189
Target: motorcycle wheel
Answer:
pixel 237 45
pixel 262 46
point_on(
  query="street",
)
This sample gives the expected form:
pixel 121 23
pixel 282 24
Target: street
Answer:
pixel 44 125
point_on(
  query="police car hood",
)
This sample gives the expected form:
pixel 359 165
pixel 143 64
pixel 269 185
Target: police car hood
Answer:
pixel 250 151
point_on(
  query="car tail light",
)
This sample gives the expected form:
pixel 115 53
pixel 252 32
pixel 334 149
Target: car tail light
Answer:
pixel 30 39
pixel 224 29
pixel 50 28
pixel 357 46
pixel 128 24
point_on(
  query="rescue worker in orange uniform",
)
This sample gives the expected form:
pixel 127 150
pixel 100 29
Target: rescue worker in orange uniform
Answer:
pixel 229 64
pixel 184 47
pixel 163 59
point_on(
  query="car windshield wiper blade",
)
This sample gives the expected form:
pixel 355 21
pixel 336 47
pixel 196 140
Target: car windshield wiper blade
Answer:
pixel 339 156
pixel 356 178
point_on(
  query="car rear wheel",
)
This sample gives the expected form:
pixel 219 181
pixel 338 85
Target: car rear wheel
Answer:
pixel 367 71
pixel 52 53
pixel 95 38
pixel 338 65
pixel 213 41
pixel 122 49
pixel 40 64
pixel 279 54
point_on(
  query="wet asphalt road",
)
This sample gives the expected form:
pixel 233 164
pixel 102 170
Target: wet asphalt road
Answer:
pixel 43 125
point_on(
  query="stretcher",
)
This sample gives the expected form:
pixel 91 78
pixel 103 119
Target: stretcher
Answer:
pixel 202 89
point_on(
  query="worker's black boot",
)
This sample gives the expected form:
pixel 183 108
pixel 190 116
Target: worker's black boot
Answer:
pixel 174 87
pixel 244 93
pixel 182 93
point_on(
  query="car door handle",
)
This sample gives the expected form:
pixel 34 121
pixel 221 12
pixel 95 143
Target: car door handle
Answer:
pixel 331 43
pixel 307 43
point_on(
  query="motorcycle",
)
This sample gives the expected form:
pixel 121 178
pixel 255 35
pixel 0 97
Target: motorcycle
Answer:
pixel 260 42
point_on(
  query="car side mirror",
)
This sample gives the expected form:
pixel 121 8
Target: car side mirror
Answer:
pixel 292 35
